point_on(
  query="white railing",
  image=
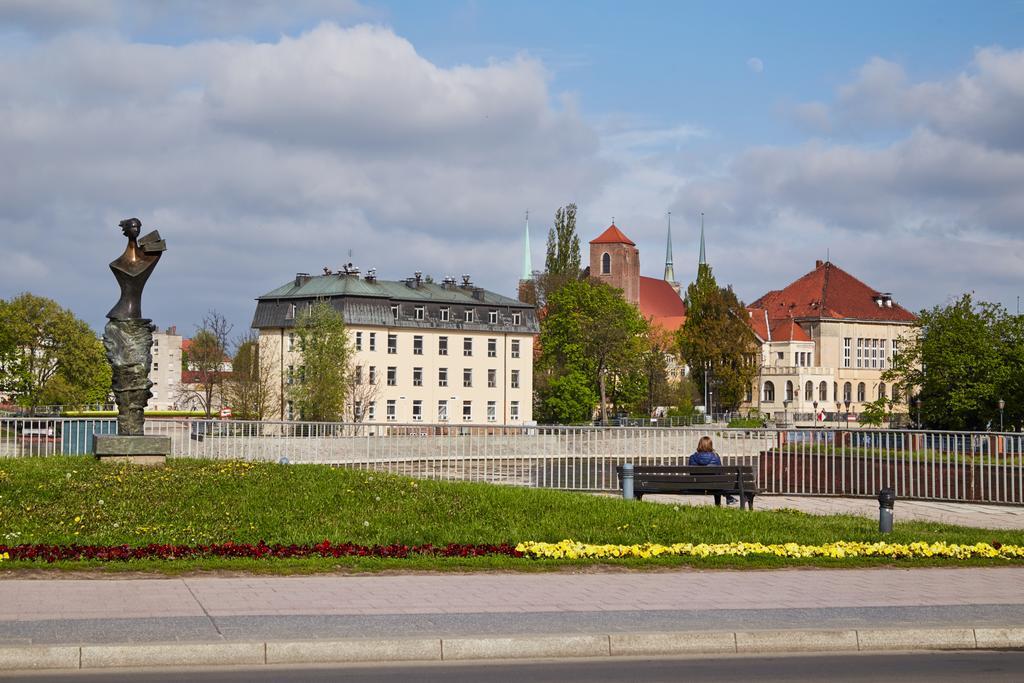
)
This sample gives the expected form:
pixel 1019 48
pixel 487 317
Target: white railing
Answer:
pixel 978 467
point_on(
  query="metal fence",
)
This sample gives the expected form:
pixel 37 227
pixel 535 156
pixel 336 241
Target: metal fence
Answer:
pixel 957 466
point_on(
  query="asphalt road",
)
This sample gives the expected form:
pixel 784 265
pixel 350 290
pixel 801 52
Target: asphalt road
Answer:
pixel 905 668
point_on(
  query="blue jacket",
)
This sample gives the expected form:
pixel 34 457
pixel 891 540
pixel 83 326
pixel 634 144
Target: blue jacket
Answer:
pixel 704 458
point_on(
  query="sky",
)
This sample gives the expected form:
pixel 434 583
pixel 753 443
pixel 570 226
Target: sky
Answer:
pixel 268 138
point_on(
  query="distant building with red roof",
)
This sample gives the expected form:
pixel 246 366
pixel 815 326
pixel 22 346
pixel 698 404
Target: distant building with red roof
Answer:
pixel 615 260
pixel 826 338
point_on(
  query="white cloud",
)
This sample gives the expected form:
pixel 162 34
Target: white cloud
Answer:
pixel 256 160
pixel 755 65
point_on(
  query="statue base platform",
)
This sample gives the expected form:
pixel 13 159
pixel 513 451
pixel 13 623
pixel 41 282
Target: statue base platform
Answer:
pixel 136 450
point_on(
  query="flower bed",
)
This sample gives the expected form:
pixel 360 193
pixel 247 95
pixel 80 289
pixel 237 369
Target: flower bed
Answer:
pixel 106 553
pixel 572 550
pixel 567 549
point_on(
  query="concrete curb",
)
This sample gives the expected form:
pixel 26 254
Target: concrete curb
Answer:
pixel 35 657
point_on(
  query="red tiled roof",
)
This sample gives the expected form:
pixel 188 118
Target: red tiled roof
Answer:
pixel 660 304
pixel 829 292
pixel 787 329
pixel 758 323
pixel 612 236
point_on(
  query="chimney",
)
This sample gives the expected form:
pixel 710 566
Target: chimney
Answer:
pixel 301 279
pixel 818 264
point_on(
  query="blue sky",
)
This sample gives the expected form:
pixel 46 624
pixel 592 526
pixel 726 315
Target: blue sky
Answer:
pixel 267 138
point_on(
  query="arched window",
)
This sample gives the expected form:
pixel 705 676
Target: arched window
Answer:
pixel 881 390
pixel 896 393
pixel 847 392
pixel 823 392
pixel 789 390
pixel 860 391
pixel 769 392
pixel 750 393
pixel 835 391
pixel 809 391
pixel 606 263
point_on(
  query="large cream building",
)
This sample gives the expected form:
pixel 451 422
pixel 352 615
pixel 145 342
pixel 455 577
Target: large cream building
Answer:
pixel 825 340
pixel 436 353
pixel 165 372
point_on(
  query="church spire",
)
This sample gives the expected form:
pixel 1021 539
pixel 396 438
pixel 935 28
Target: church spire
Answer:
pixel 670 275
pixel 703 260
pixel 527 263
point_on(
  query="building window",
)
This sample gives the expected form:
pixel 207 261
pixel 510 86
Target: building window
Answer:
pixel 291 374
pixel 515 379
pixel 392 376
pixel 769 392
pixel 156 366
pixel 442 411
pixel 373 341
pixel 358 374
pixel 359 341
pixel 492 411
pixel 515 348
pixel 371 414
pixel 290 414
pixel 895 349
pixel 289 314
pixel 492 378
pixel 513 410
pixel 156 342
pixel 442 377
pixel 291 341
pixel 750 393
pixel 809 391
pixel 823 391
pixel 881 390
pixel 492 348
pixel 395 310
pixel 847 392
pixel 517 318
pixel 417 345
pixel 467 411
pixel 417 377
pixel 357 410
pixel 846 351
pixel 442 346
pixel 606 263
pixel 389 410
pixel 467 346
pixel 392 343
pixel 417 411
pixel 419 312
pixel 469 315
pixel 373 374
pixel 789 390
pixel 492 317
pixel 467 377
pixel 861 392
pixel 445 315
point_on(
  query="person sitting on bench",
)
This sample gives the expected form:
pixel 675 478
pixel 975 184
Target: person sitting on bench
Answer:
pixel 705 456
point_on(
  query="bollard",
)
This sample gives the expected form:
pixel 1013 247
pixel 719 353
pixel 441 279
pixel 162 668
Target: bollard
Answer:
pixel 886 501
pixel 283 460
pixel 627 481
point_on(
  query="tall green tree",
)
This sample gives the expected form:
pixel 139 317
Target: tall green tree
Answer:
pixel 48 356
pixel 959 360
pixel 563 249
pixel 324 375
pixel 590 337
pixel 717 338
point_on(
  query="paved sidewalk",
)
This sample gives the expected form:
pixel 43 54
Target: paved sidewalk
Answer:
pixel 72 623
pixel 963 514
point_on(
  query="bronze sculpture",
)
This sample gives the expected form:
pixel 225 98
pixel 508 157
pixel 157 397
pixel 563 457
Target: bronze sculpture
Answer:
pixel 132 268
pixel 128 338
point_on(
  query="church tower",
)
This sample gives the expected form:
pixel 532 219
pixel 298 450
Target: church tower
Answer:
pixel 615 260
pixel 527 286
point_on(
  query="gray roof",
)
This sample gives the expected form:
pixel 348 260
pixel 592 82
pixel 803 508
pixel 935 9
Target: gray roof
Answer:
pixel 364 301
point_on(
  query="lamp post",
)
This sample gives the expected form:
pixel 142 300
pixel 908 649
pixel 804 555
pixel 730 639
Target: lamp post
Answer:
pixel 1002 404
pixel 785 414
pixel 846 402
pixel 815 404
pixel 917 403
pixel 839 407
pixel 711 404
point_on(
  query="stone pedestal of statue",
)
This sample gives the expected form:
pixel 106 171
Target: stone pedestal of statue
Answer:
pixel 137 450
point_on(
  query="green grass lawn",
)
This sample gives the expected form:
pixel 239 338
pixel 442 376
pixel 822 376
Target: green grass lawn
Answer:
pixel 64 500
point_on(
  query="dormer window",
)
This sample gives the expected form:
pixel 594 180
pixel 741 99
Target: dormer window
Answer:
pixel 606 263
pixel 394 311
pixel 289 313
pixel 444 314
pixel 470 315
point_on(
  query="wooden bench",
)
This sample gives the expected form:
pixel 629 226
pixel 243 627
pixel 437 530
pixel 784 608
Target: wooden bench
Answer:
pixel 714 481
